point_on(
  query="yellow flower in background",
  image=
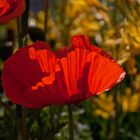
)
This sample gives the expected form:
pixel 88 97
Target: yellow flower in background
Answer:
pixel 84 20
pixel 130 34
pixel 110 32
pixel 52 28
pixel 110 39
pixel 130 101
pixel 136 82
pixel 40 19
pixel 105 16
pixel 75 7
pixel 88 17
pixel 78 19
pixel 85 23
pixel 105 103
pixel 131 66
pixel 124 36
pixel 104 114
pixel 105 106
pixel 96 4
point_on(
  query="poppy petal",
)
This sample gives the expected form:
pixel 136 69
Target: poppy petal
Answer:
pixel 103 73
pixel 88 73
pixel 12 10
pixel 27 66
pixel 81 41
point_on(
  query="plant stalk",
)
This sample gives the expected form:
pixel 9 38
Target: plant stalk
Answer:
pixel 22 29
pixel 46 16
pixel 71 135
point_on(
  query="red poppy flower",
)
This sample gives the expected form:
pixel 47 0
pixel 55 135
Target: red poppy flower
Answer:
pixel 35 76
pixel 10 9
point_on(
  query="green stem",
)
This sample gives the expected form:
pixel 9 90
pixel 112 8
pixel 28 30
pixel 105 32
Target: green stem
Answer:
pixel 117 105
pixel 70 122
pixel 116 119
pixel 51 116
pixel 46 16
pixel 22 29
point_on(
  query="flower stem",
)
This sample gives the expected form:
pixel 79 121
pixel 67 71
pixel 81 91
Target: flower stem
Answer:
pixel 22 30
pixel 70 122
pixel 46 16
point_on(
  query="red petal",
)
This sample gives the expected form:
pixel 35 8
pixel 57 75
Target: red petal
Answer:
pixel 24 70
pixel 19 9
pixel 88 73
pixel 62 52
pixel 103 73
pixel 4 7
pixel 81 41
